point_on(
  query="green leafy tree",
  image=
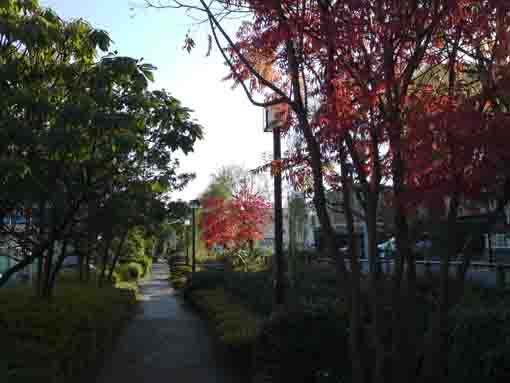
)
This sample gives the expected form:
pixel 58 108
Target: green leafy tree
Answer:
pixel 78 132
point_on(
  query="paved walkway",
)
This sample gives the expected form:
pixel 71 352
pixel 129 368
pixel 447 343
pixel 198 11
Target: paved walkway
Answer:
pixel 165 342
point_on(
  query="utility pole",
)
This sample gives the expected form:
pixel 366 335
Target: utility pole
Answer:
pixel 273 122
pixel 195 204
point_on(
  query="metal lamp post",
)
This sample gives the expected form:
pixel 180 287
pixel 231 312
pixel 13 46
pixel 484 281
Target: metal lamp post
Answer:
pixel 273 124
pixel 187 223
pixel 194 205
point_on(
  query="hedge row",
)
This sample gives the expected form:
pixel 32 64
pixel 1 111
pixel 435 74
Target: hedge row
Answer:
pixel 179 276
pixel 134 268
pixel 63 340
pixel 316 331
pixel 235 326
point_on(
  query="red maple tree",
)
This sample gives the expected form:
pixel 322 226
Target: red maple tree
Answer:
pixel 234 223
pixel 409 94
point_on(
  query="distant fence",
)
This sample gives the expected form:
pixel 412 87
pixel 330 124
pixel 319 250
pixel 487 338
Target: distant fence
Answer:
pixel 490 274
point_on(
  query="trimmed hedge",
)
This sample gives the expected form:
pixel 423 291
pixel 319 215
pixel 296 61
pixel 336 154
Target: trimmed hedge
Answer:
pixel 63 340
pixel 254 289
pixel 480 337
pixel 134 268
pixel 131 271
pixel 236 328
pixel 179 276
pixel 480 345
pixel 310 344
pixel 303 347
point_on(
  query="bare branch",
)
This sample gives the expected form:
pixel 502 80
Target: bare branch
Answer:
pixel 241 81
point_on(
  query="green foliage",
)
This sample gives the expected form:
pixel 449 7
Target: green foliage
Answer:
pixel 315 291
pixel 479 344
pixel 136 261
pixel 235 326
pixel 63 340
pixel 83 137
pixel 253 289
pixel 130 271
pixel 300 346
pixel 135 245
pixel 208 280
pixel 307 254
pixel 179 276
pixel 144 265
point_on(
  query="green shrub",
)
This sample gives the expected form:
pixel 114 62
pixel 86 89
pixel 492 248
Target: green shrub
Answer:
pixel 144 262
pixel 254 289
pixel 62 340
pixel 480 336
pixel 303 346
pixel 135 270
pixel 235 326
pixel 130 271
pixel 479 345
pixel 208 280
pixel 68 275
pixel 179 276
pixel 308 255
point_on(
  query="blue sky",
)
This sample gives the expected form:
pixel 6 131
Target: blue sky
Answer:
pixel 233 126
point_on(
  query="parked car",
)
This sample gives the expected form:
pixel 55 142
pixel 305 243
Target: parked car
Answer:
pixel 424 244
pixel 387 248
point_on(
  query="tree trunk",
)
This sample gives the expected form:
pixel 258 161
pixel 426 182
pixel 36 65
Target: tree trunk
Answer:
pixel 88 256
pixel 40 260
pixel 444 293
pixel 106 251
pixel 47 271
pixel 82 265
pixel 56 270
pixel 327 231
pixel 117 254
pixel 356 325
pixel 376 290
pixel 403 304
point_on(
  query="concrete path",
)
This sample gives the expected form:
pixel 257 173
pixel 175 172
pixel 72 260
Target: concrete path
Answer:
pixel 165 342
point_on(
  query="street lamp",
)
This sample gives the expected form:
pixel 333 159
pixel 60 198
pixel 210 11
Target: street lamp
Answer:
pixel 187 223
pixel 194 205
pixel 274 117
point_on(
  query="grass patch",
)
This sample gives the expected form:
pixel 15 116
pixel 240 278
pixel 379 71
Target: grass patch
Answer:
pixel 65 339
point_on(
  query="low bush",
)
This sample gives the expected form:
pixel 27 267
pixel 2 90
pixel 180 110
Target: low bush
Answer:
pixel 317 329
pixel 302 346
pixel 144 262
pixel 253 289
pixel 479 345
pixel 308 255
pixel 179 276
pixel 479 338
pixel 62 340
pixel 208 280
pixel 235 326
pixel 130 271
